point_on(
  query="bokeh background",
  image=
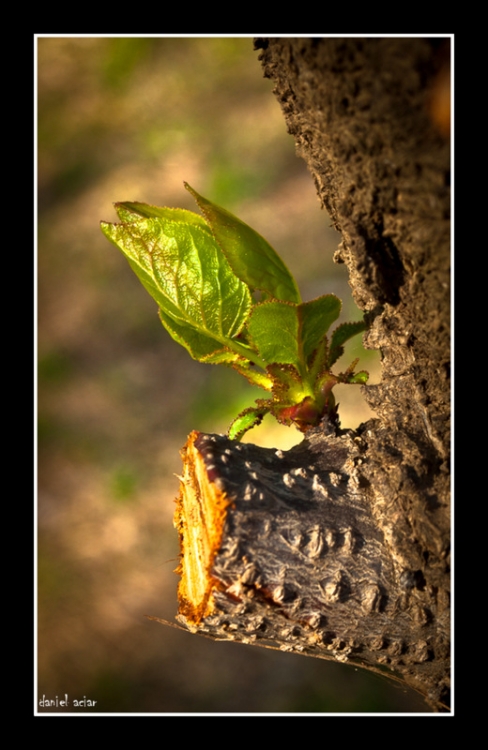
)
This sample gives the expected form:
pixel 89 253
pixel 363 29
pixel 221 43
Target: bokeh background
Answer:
pixel 130 119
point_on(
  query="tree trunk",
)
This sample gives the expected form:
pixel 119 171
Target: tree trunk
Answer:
pixel 339 548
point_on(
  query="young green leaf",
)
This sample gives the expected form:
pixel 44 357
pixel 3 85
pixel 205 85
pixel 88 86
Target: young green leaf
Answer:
pixel 289 334
pixel 182 267
pixel 317 317
pixel 250 256
pixel 274 331
pixel 342 334
pixel 132 212
pixel 200 346
pixel 360 377
pixel 248 419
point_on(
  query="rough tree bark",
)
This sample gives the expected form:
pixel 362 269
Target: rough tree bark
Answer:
pixel 339 548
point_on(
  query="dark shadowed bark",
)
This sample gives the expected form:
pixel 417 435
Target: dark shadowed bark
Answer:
pixel 339 548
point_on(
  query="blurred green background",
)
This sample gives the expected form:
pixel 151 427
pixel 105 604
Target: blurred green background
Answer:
pixel 130 119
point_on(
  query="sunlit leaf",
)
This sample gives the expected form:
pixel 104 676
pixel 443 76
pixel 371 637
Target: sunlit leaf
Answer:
pixel 342 334
pixel 289 334
pixel 274 330
pixel 360 377
pixel 248 419
pixel 183 269
pixel 316 317
pixel 251 257
pixel 132 212
pixel 201 347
